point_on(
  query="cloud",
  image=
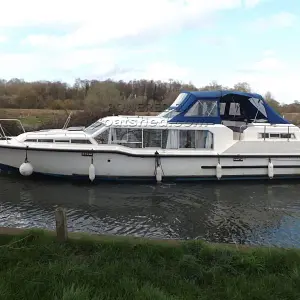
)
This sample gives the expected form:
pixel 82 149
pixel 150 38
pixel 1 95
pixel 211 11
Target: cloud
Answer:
pixel 268 63
pixel 119 39
pixel 83 39
pixel 269 73
pixel 281 84
pixel 3 38
pixel 111 13
pixel 280 20
pixel 219 41
pixel 269 52
pixel 165 71
pixel 252 3
pixel 96 22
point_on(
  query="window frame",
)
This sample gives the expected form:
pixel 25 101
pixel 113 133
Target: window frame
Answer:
pixel 215 107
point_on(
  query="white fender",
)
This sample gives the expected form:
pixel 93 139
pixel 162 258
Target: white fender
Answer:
pixel 26 169
pixel 271 170
pixel 92 172
pixel 219 171
pixel 158 174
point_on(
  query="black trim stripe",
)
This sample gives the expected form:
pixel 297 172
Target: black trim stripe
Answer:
pixel 253 167
pixel 234 156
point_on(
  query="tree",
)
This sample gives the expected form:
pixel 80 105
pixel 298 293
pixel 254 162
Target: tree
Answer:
pixel 242 87
pixel 103 96
pixel 271 101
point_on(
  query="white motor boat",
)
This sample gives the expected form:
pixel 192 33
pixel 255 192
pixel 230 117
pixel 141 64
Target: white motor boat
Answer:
pixel 207 135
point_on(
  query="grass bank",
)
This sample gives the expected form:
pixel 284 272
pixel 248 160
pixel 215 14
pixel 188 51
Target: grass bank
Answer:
pixel 35 266
pixel 33 117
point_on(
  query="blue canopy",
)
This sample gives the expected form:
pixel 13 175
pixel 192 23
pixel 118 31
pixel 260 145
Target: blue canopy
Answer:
pixel 216 106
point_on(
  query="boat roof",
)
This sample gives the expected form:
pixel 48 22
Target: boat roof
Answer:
pixel 221 93
pixel 252 105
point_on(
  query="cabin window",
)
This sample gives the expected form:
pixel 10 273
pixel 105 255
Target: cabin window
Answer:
pixel 287 135
pixel 62 141
pixel 259 105
pixel 45 140
pixel 199 139
pixel 31 140
pixel 81 141
pixel 276 135
pixel 156 138
pixel 222 108
pixel 234 109
pixel 102 138
pixel 94 127
pixel 172 141
pixel 203 108
pixel 186 139
pixel 263 135
pixel 127 137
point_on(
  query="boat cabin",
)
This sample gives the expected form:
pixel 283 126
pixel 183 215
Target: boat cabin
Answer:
pixel 233 109
pixel 203 120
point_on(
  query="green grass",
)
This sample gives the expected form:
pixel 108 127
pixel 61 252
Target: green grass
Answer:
pixel 35 266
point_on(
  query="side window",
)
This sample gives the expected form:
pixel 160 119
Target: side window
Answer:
pixel 222 108
pixel 234 109
pixel 197 139
pixel 156 138
pixel 203 108
pixel 45 141
pixel 127 137
pixel 276 135
pixel 102 138
pixel 80 142
pixel 186 139
pixel 62 141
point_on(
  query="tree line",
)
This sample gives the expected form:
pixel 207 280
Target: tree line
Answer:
pixel 94 95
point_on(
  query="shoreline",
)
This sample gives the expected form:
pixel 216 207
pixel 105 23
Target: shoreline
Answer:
pixel 77 235
pixel 35 265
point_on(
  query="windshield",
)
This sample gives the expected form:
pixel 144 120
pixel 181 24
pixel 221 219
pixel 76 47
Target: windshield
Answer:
pixel 169 113
pixel 179 99
pixel 94 127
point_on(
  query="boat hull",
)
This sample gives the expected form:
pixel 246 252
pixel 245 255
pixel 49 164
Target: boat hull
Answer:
pixel 120 166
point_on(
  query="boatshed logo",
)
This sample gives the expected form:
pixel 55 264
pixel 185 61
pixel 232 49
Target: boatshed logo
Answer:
pixel 146 122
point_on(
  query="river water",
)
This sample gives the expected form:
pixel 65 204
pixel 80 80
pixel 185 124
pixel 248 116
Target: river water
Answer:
pixel 243 212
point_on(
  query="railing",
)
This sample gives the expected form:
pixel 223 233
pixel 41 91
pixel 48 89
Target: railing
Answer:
pixel 2 131
pixel 265 128
pixel 54 135
pixel 67 121
pixel 17 120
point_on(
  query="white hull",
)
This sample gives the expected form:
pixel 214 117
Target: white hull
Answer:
pixel 110 164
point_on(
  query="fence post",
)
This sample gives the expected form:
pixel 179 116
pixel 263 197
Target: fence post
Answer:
pixel 61 224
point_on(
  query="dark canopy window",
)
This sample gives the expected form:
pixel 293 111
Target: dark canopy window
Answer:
pixel 242 109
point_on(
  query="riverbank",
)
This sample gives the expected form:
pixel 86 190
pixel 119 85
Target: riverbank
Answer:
pixel 35 119
pixel 35 266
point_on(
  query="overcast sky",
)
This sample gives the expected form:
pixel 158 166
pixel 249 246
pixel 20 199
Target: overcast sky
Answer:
pixel 257 41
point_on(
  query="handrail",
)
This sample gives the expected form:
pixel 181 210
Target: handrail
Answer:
pixel 15 120
pixel 52 135
pixel 3 133
pixel 67 121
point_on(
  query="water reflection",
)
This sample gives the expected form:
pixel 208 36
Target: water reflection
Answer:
pixel 247 213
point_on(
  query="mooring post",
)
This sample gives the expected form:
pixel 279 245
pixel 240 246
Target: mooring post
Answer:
pixel 61 224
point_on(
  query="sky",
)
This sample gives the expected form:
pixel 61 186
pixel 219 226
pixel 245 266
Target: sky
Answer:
pixel 197 41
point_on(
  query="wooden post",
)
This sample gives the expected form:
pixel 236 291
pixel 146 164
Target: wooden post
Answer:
pixel 61 224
